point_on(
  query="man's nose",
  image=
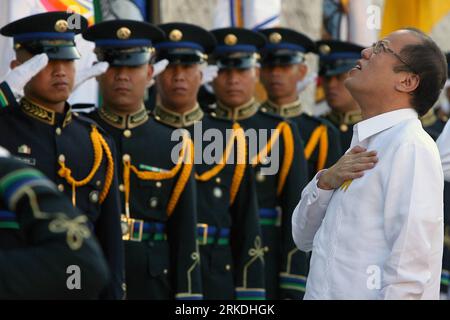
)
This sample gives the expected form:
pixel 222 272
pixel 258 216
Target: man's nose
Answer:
pixel 367 53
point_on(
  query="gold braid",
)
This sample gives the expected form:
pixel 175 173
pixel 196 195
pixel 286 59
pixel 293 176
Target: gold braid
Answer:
pixel 319 135
pixel 241 162
pixel 109 170
pixel 66 173
pixel 283 128
pixel 147 175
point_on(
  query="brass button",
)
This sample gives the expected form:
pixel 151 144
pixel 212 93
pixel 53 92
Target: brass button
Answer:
pixel 165 271
pixel 217 192
pixel 264 109
pixel 98 183
pixel 126 158
pixel 158 184
pixel 61 158
pixel 343 127
pixel 153 202
pixel 127 133
pixel 227 267
pixel 157 118
pixel 93 196
pixel 61 187
pixel 58 131
pixel 260 177
pixel 121 188
pixel 213 114
pixel 218 180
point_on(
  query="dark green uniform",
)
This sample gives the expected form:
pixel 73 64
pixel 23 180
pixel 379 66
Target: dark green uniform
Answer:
pixel 344 123
pixel 55 144
pixel 322 141
pixel 158 192
pixel 41 237
pixel 278 195
pixel 70 149
pixel 434 125
pixel 162 260
pixel 229 235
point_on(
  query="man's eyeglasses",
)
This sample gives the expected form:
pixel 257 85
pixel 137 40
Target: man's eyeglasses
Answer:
pixel 382 45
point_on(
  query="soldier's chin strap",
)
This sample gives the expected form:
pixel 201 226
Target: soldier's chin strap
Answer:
pixel 186 156
pixel 100 146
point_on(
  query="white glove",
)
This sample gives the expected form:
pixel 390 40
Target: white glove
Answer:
pixel 209 73
pixel 85 74
pixel 158 68
pixel 18 77
pixel 301 85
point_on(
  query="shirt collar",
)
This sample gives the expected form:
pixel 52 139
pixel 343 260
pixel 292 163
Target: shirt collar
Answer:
pixel 123 122
pixel 176 119
pixel 288 110
pixel 237 113
pixel 374 125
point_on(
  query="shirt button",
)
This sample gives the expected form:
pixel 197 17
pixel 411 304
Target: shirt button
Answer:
pixel 121 188
pixel 158 118
pixel 158 184
pixel 126 158
pixel 153 202
pixel 217 192
pixel 93 196
pixel 127 133
pixel 58 131
pixel 61 187
pixel 264 109
pixel 61 158
pixel 98 183
pixel 227 267
pixel 343 127
pixel 218 180
pixel 165 271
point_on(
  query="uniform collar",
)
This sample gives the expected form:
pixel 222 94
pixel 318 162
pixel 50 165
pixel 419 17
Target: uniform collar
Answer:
pixel 345 119
pixel 239 113
pixel 429 118
pixel 178 120
pixel 46 115
pixel 130 121
pixel 367 128
pixel 288 110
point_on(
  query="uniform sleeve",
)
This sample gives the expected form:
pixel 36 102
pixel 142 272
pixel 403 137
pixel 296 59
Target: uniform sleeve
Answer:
pixel 109 234
pixel 182 237
pixel 443 143
pixel 309 213
pixel 246 241
pixel 57 236
pixel 294 263
pixel 413 220
pixel 7 98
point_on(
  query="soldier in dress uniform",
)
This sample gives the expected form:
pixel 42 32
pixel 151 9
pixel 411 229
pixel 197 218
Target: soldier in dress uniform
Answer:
pixel 276 154
pixel 229 235
pixel 42 131
pixel 336 59
pixel 158 196
pixel 283 66
pixel 41 236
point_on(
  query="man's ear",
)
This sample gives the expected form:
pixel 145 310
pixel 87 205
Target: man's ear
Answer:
pixel 149 72
pixel 14 63
pixel 302 70
pixel 408 83
pixel 257 73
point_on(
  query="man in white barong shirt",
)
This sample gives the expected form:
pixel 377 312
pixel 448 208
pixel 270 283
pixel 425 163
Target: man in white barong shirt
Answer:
pixel 374 220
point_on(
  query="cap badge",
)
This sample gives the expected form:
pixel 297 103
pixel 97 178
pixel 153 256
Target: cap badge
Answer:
pixel 324 49
pixel 61 25
pixel 175 35
pixel 230 39
pixel 123 33
pixel 275 37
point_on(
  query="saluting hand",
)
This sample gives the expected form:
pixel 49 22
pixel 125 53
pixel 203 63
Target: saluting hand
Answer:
pixel 350 166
